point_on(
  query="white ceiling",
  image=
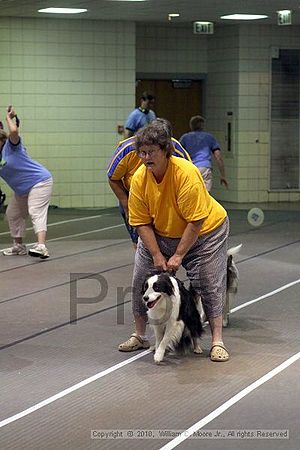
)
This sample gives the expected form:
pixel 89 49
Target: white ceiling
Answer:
pixel 155 10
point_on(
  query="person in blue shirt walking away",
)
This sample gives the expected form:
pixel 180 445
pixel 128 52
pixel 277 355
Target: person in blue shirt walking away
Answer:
pixel 201 146
pixel 32 185
pixel 140 116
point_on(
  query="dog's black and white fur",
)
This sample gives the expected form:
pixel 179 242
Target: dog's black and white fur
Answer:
pixel 232 283
pixel 173 314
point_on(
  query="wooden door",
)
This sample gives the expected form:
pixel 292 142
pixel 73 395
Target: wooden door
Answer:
pixel 176 101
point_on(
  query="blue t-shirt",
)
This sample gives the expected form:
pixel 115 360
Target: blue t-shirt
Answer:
pixel 200 146
pixel 138 118
pixel 19 171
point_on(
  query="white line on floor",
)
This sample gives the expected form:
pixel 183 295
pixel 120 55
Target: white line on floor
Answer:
pixel 128 361
pixel 73 388
pixel 75 235
pixel 62 222
pixel 236 398
pixel 282 288
pixel 86 232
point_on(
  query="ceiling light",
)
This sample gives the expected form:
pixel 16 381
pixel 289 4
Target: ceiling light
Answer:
pixel 172 16
pixel 127 0
pixel 244 17
pixel 62 10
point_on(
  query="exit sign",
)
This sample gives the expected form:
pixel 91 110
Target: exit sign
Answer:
pixel 284 17
pixel 203 28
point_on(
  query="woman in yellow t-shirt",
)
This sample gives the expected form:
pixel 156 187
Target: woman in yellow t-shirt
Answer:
pixel 178 223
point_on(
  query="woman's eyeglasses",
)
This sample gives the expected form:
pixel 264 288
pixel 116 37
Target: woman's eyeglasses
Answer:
pixel 143 154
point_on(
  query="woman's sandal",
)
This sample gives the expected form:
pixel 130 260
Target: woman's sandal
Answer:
pixel 219 353
pixel 135 342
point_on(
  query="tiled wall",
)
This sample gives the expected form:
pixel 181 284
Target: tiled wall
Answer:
pixel 237 62
pixel 170 49
pixel 71 82
pixel 253 133
pixel 222 102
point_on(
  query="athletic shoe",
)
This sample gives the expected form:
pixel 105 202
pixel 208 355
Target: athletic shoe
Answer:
pixel 16 250
pixel 39 250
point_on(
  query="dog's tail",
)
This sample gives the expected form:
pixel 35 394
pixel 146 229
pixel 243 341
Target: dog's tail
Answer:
pixel 234 250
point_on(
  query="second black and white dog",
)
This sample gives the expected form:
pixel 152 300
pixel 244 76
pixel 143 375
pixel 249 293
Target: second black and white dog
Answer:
pixel 173 314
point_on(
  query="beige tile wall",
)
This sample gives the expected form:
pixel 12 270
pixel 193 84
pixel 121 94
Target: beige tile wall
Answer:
pixel 74 81
pixel 253 133
pixel 71 82
pixel 237 62
pixel 169 48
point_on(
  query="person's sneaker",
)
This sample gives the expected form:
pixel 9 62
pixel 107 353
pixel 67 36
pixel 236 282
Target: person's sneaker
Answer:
pixel 39 250
pixel 16 250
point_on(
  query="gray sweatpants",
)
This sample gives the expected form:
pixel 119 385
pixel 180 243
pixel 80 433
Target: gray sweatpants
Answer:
pixel 205 265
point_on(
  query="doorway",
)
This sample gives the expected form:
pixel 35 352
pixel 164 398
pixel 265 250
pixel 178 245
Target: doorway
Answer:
pixel 175 100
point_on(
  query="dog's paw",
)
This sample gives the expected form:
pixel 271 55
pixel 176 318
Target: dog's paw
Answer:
pixel 198 350
pixel 152 348
pixel 158 357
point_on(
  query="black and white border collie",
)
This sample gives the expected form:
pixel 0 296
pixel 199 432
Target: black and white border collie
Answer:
pixel 173 314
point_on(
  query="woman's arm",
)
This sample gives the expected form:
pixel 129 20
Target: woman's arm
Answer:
pixel 188 239
pixel 12 126
pixel 120 192
pixel 147 235
pixel 221 167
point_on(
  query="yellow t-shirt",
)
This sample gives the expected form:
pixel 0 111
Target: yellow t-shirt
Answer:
pixel 180 198
pixel 125 160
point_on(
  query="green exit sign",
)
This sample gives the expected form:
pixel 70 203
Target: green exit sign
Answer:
pixel 203 28
pixel 284 17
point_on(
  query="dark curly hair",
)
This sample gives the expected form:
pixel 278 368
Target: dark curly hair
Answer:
pixel 158 132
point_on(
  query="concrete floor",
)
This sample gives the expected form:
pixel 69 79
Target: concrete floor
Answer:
pixel 60 380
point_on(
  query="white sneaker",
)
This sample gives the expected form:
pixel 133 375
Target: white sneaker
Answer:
pixel 16 250
pixel 39 250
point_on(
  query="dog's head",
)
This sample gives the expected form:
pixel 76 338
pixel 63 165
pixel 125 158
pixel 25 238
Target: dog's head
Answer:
pixel 157 287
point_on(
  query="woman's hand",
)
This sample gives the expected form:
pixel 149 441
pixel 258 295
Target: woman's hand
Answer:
pixel 160 262
pixel 174 263
pixel 11 112
pixel 13 125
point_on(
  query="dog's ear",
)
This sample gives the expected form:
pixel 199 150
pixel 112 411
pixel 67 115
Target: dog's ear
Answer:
pixel 145 286
pixel 165 284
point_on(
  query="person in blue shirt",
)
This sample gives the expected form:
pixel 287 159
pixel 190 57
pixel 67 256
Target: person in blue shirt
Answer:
pixel 140 116
pixel 201 146
pixel 32 187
